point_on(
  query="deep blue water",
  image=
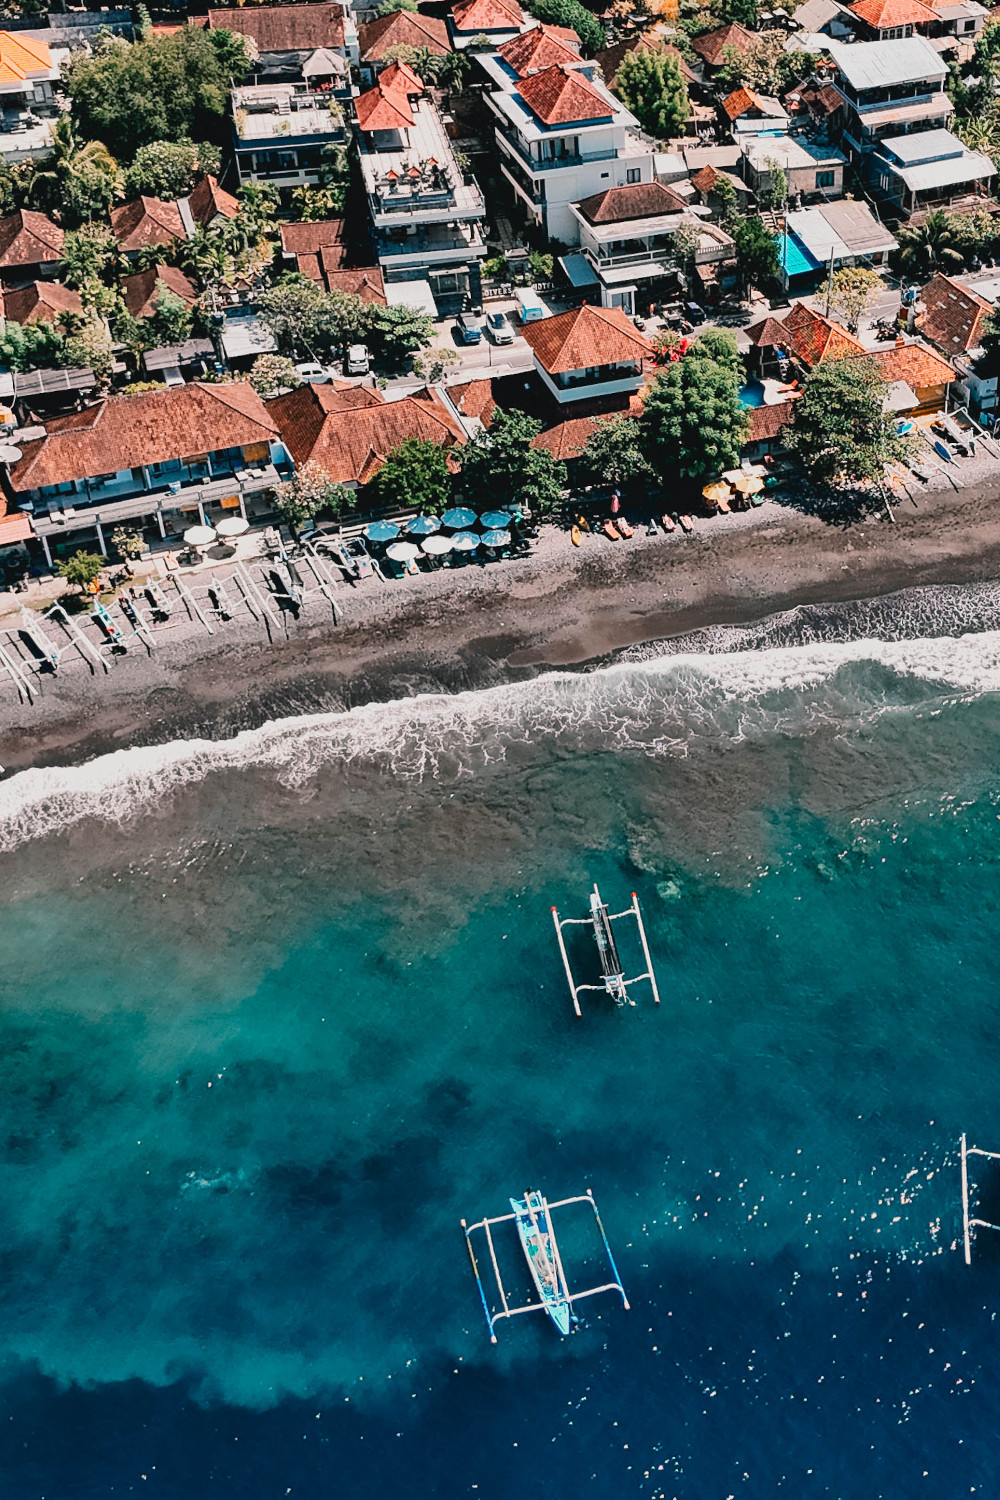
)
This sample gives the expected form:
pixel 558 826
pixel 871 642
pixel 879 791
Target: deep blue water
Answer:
pixel 275 1016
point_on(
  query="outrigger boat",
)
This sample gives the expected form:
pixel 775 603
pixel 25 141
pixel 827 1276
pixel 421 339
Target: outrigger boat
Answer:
pixel 532 1216
pixel 613 981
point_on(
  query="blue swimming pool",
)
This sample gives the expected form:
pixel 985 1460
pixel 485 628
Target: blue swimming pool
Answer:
pixel 795 258
pixel 752 395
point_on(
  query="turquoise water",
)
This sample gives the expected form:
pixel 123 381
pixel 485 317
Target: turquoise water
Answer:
pixel 752 395
pixel 277 1014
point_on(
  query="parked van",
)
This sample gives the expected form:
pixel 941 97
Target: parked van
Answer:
pixel 531 307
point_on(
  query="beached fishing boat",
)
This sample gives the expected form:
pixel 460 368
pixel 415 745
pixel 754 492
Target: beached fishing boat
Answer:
pixel 531 1218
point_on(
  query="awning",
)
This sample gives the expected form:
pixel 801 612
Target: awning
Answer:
pixel 579 270
pixel 652 270
pixel 243 338
pixel 178 354
pixel 900 397
pixel 48 382
pixel 16 528
pixel 415 294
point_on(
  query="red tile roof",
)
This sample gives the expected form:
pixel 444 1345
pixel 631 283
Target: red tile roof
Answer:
pixel 208 201
pixel 767 334
pixel 368 283
pixel 400 78
pixel 383 109
pixel 739 102
pixel 28 238
pixel 584 338
pixel 710 44
pixel 124 432
pixel 352 441
pixel 297 239
pixel 406 28
pixel 285 28
pixel 141 290
pixel 538 48
pixel 767 421
pixel 635 200
pixel 146 221
pixel 952 316
pixel 41 302
pixel 610 60
pixel 919 367
pixel 813 338
pixel 486 15
pixel 705 179
pixel 474 398
pixel 567 440
pixel 560 95
pixel 880 15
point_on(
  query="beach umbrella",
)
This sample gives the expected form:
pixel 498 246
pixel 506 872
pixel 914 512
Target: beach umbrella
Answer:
pixel 464 541
pixel 382 531
pixel 713 493
pixel 733 476
pixel 459 519
pixel 436 546
pixel 494 520
pixel 496 538
pixel 749 484
pixel 233 526
pixel 403 551
pixel 423 525
pixel 199 536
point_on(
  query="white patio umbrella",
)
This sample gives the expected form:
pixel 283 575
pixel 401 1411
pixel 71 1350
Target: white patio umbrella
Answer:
pixel 233 526
pixel 403 551
pixel 436 545
pixel 199 536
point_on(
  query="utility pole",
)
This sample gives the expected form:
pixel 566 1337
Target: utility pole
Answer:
pixel 829 283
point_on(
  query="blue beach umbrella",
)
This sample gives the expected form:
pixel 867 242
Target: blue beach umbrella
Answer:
pixel 496 538
pixel 465 541
pixel 382 531
pixel 459 519
pixel 495 520
pixel 423 525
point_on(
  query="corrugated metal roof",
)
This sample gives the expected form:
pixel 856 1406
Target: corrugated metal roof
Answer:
pixel 925 145
pixel 972 166
pixel 874 65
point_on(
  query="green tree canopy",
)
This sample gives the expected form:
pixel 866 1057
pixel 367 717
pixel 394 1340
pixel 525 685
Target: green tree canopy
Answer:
pixel 757 259
pixel 693 422
pixel 718 345
pixel 169 169
pixel 76 182
pixel 271 373
pixel 82 568
pixel 162 88
pixel 851 291
pixel 32 346
pixel 653 88
pixel 398 332
pixel 307 320
pixel 930 246
pixel 613 452
pixel 309 492
pixel 390 7
pixel 839 428
pixel 90 254
pixel 500 465
pixel 572 14
pixel 765 65
pixel 416 473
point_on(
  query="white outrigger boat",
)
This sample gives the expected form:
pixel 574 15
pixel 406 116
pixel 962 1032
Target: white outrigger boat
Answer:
pixel 613 981
pixel 532 1216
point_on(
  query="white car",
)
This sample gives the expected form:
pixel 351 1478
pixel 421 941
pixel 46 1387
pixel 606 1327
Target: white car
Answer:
pixel 357 360
pixel 313 374
pixel 500 330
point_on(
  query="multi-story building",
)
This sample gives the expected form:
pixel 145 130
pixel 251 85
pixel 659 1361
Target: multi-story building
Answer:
pixel 426 213
pixel 933 169
pixel 813 172
pixel 28 108
pixel 889 89
pixel 280 130
pixel 589 354
pixel 561 135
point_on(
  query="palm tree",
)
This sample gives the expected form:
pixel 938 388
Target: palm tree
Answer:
pixel 929 246
pixel 210 259
pixel 70 164
pixel 452 71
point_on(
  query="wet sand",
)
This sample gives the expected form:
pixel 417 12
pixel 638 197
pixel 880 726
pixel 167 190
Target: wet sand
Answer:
pixel 475 627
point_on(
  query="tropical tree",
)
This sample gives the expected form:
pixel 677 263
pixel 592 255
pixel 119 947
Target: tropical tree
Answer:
pixel 77 182
pixel 574 15
pixel 416 473
pixel 271 373
pixel 398 332
pixel 693 423
pixel 764 65
pixel 169 169
pixel 314 204
pixel 435 363
pixel 90 254
pixel 500 465
pixel 930 246
pixel 170 322
pixel 208 257
pixel 652 87
pixel 613 452
pixel 851 292
pixel 89 348
pixel 310 491
pixel 840 428
pixel 757 260
pixel 82 569
pixel 390 7
pixel 32 346
pixel 775 195
pixel 128 544
pixel 453 71
pixel 718 345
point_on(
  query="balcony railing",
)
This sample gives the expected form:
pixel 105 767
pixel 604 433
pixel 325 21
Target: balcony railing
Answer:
pixel 74 511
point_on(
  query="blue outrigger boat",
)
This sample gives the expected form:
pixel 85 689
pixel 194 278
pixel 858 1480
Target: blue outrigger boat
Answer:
pixel 532 1216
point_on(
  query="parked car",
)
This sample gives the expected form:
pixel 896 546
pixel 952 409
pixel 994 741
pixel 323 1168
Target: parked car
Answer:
pixel 358 362
pixel 470 330
pixel 311 373
pixel 498 328
pixel 694 313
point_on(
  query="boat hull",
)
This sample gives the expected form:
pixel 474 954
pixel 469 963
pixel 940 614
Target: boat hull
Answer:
pixel 531 1216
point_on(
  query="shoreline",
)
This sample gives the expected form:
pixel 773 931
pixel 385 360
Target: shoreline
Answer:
pixel 455 630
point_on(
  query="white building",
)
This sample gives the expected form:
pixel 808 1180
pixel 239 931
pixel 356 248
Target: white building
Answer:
pixel 562 136
pixel 932 169
pixel 889 89
pixel 588 354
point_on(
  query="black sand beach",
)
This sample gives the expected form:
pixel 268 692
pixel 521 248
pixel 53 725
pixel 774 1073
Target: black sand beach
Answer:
pixel 474 627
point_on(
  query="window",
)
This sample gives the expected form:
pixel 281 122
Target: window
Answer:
pixel 633 174
pixel 825 179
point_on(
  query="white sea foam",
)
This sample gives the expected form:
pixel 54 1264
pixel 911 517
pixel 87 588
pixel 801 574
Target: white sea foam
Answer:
pixel 659 707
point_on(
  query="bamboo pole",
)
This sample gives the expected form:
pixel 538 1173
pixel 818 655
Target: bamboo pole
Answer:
pixel 965 1202
pixel 565 959
pixel 496 1268
pixel 479 1283
pixel 645 947
pixel 607 1247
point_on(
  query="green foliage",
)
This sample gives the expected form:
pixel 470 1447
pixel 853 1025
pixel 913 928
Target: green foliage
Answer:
pixel 90 254
pixel 839 428
pixel 495 268
pixel 127 543
pixel 722 201
pixel 500 464
pixel 757 259
pixel 79 182
pixel 32 346
pixel 82 568
pixel 453 70
pixel 390 7
pixel 234 53
pixel 416 473
pixel 989 362
pixel 718 345
pixel 613 453
pixel 435 363
pixel 270 373
pixel 163 88
pixel 305 319
pixel 572 14
pixel 169 169
pixel 651 85
pixel 765 66
pixel 851 291
pixel 171 320
pixel 542 265
pixel 311 205
pixel 397 332
pixel 89 348
pixel 775 195
pixel 693 422
pixel 930 246
pixel 309 492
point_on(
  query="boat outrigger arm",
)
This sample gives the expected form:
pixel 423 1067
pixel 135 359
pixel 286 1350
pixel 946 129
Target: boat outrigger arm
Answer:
pixel 969 1222
pixel 614 982
pixel 506 1311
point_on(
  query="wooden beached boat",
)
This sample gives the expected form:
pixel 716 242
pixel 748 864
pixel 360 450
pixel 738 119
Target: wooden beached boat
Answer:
pixel 686 523
pixel 611 531
pixel 668 523
pixel 624 529
pixel 531 1217
pixel 575 535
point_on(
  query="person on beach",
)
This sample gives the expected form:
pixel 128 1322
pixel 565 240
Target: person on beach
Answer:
pixel 616 502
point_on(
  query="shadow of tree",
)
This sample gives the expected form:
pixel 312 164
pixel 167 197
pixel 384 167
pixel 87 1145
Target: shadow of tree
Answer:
pixel 835 505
